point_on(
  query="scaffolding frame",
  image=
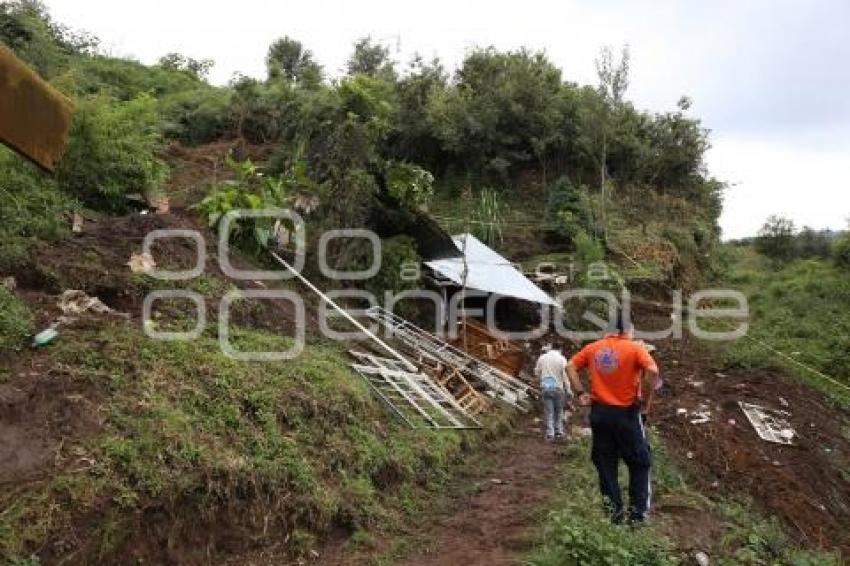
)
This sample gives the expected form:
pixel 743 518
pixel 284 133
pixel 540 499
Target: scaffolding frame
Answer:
pixel 431 351
pixel 412 396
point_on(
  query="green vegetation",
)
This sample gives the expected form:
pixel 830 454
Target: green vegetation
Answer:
pixel 16 321
pixel 577 531
pixel 507 121
pixel 31 209
pixel 799 309
pixel 841 251
pixel 505 146
pixel 111 152
pixel 187 428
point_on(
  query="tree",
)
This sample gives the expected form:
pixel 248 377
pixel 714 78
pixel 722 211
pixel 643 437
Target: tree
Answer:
pixel 841 250
pixel 199 68
pixel 568 208
pixel 413 137
pixel 775 239
pixel 613 81
pixel 370 58
pixel 289 61
pixel 27 29
pixel 503 112
pixel 811 243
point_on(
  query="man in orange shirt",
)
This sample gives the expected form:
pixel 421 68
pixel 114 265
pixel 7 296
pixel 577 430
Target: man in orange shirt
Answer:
pixel 617 365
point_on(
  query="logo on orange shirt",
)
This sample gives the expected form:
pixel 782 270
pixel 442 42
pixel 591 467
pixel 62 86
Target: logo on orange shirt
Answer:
pixel 606 361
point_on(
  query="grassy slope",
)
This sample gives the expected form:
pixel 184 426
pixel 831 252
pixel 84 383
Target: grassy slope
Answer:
pixel 577 532
pixel 288 447
pixel 800 310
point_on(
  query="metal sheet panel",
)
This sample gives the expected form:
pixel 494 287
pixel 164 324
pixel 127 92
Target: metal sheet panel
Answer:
pixel 488 272
pixel 34 116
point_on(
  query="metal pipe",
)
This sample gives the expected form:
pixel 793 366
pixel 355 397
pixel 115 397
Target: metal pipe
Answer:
pixel 345 313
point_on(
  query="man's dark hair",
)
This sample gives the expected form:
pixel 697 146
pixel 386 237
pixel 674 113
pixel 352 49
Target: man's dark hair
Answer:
pixel 621 322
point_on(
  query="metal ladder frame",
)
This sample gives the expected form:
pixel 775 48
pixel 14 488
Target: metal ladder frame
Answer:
pixel 423 344
pixel 418 391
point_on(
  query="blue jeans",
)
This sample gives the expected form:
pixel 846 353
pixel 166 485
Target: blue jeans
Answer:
pixel 553 411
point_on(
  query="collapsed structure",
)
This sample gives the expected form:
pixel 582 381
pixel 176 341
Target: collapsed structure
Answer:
pixel 478 368
pixel 430 382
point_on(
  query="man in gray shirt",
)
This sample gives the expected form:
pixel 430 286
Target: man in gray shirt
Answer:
pixel 551 370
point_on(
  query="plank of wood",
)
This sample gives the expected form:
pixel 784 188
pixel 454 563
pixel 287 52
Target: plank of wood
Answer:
pixel 34 117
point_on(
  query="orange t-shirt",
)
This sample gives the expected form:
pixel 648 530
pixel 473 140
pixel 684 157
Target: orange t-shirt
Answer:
pixel 616 364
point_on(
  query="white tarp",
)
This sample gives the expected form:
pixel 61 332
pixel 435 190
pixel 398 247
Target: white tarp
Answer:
pixel 488 271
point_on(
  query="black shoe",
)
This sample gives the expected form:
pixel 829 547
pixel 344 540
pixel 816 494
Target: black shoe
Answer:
pixel 617 517
pixel 637 521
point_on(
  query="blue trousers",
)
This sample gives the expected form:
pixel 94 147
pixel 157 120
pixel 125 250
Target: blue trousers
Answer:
pixel 553 411
pixel 618 433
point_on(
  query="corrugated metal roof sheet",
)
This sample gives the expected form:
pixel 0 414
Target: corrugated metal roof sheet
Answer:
pixel 488 272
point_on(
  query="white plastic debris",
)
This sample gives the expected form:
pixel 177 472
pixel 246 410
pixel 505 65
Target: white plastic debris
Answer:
pixel 74 301
pixel 141 263
pixel 681 411
pixel 702 558
pixel 76 223
pixel 771 425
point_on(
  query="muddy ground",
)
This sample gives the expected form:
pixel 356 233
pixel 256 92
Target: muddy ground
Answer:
pixel 805 485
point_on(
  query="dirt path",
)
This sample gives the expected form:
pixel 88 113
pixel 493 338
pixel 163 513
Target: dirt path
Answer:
pixel 484 517
pixel 492 527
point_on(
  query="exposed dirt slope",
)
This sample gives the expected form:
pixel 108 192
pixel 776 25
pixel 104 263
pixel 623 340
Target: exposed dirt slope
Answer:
pixel 806 486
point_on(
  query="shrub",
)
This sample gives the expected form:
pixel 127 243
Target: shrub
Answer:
pixel 487 213
pixel 776 239
pixel 841 250
pixel 588 249
pixel 30 207
pixel 198 116
pixel 252 190
pixel 412 185
pixel 396 253
pixel 126 79
pixel 568 208
pixel 112 152
pixel 16 322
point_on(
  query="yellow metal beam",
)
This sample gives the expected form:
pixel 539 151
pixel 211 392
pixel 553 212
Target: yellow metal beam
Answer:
pixel 34 116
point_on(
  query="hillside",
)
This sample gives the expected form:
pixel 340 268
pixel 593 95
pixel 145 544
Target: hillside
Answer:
pixel 118 447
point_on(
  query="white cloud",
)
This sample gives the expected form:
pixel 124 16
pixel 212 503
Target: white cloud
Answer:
pixel 806 184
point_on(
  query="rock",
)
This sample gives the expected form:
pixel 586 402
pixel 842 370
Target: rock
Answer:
pixel 690 455
pixel 9 283
pixel 702 558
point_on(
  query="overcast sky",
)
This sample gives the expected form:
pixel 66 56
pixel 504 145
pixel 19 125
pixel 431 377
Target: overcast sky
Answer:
pixel 770 78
